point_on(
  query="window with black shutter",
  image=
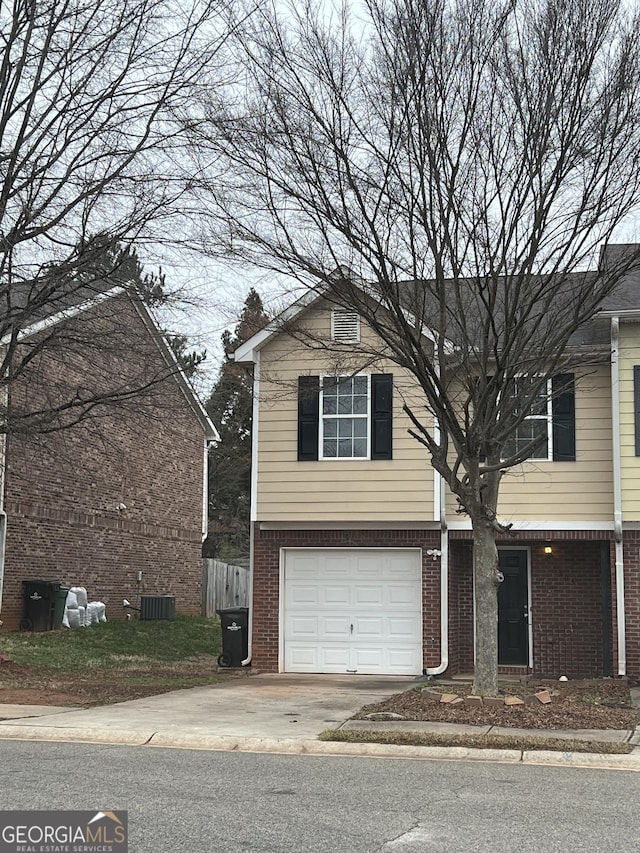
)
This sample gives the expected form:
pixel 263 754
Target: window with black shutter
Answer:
pixel 636 405
pixel 382 416
pixel 308 417
pixel 345 417
pixel 563 405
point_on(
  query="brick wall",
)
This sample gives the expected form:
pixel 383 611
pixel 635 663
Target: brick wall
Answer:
pixel 63 489
pixel 460 607
pixel 566 596
pixel 566 606
pixel 566 603
pixel 267 544
pixel 631 548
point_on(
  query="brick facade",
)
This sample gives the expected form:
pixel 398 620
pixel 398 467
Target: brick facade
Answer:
pixel 566 606
pixel 631 550
pixel 62 494
pixel 572 596
pixel 266 599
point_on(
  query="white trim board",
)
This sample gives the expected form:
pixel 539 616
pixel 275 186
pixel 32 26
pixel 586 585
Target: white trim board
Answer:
pixel 543 525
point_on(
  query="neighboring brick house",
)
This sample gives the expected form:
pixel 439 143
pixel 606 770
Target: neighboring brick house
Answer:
pixel 361 562
pixel 122 492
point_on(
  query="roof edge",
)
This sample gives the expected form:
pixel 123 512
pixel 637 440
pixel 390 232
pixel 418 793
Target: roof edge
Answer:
pixel 189 392
pixel 65 314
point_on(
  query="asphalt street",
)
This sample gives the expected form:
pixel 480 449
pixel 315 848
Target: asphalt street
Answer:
pixel 190 800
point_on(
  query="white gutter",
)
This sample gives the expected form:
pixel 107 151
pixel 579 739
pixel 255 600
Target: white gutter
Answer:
pixel 205 488
pixel 617 494
pixel 254 496
pixel 437 479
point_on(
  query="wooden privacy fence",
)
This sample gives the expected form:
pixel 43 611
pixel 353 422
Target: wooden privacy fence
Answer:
pixel 223 585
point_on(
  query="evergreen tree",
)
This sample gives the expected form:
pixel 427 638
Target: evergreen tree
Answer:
pixel 102 260
pixel 230 408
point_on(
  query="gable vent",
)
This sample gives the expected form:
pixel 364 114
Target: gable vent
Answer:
pixel 345 327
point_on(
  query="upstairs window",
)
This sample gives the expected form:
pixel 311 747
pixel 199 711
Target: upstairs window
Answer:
pixel 552 419
pixel 537 424
pixel 345 417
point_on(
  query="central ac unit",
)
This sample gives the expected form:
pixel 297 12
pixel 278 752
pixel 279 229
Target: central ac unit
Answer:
pixel 158 607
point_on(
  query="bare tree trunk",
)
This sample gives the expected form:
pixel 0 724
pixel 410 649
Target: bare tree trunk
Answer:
pixel 486 583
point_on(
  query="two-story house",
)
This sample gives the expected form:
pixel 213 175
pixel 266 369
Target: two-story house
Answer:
pixel 117 501
pixel 360 561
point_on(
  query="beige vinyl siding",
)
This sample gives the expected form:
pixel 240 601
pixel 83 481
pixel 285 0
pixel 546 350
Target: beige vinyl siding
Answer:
pixel 333 490
pixel 629 343
pixel 567 491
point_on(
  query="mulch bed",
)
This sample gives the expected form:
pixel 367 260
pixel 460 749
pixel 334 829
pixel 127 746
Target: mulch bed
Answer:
pixel 597 704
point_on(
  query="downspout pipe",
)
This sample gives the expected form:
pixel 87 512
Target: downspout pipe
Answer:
pixel 254 499
pixel 439 512
pixel 444 589
pixel 617 495
pixel 3 514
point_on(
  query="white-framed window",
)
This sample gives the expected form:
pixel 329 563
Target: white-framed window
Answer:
pixel 538 423
pixel 344 417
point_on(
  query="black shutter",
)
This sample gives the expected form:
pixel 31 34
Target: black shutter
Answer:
pixel 636 405
pixel 381 415
pixel 563 406
pixel 308 415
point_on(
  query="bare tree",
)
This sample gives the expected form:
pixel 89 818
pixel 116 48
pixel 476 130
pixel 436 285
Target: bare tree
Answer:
pixel 87 142
pixel 460 161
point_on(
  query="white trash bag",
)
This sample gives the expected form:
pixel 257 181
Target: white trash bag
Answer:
pixel 81 594
pixel 71 603
pixel 96 612
pixel 73 618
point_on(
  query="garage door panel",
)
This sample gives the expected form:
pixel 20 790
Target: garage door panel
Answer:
pixel 368 628
pixel 302 595
pixel 335 595
pixel 304 627
pixel 406 658
pixel 303 658
pixel 369 596
pixel 369 659
pixel 331 628
pixel 368 568
pixel 400 595
pixel 349 610
pixel 332 565
pixel 402 628
pixel 335 658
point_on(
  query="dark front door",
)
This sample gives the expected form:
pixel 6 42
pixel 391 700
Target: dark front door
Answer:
pixel 513 606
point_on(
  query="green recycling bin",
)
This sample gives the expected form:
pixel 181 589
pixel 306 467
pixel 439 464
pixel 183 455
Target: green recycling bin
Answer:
pixel 61 598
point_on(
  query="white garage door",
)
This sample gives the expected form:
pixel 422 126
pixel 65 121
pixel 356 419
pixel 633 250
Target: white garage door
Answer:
pixel 353 611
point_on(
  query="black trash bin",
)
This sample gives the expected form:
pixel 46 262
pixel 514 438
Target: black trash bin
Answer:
pixel 39 604
pixel 235 635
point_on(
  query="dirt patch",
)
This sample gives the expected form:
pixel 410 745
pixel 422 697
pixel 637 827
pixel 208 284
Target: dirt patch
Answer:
pixel 602 704
pixel 26 685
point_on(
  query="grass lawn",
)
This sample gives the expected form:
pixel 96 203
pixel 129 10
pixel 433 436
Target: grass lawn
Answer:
pixel 488 741
pixel 109 662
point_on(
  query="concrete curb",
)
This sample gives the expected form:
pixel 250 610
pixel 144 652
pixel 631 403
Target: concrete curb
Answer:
pixel 126 737
pixel 298 746
pixel 591 760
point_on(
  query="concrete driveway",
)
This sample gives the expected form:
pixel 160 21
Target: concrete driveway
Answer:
pixel 281 707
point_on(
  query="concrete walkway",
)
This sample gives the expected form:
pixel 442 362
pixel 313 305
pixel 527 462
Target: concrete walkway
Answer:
pixel 284 714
